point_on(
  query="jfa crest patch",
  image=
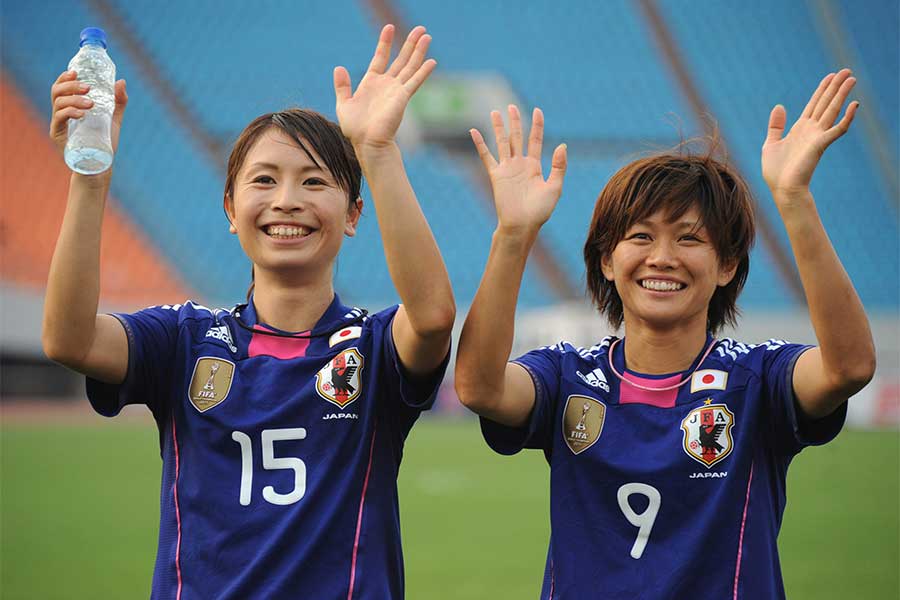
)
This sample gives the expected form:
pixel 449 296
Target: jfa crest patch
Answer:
pixel 210 382
pixel 707 433
pixel 339 380
pixel 583 420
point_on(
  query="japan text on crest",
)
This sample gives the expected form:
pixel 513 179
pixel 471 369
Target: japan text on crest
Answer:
pixel 707 433
pixel 583 419
pixel 210 382
pixel 339 380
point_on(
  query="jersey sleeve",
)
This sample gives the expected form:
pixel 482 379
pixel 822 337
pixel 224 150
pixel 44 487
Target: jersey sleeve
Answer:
pixel 793 430
pixel 152 335
pixel 543 365
pixel 405 389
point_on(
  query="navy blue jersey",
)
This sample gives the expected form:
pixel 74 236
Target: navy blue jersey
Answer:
pixel 665 494
pixel 280 455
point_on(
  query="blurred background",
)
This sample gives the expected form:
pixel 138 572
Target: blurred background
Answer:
pixel 615 78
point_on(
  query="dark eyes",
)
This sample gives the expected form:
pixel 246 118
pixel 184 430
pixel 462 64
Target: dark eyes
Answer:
pixel 690 237
pixel 266 180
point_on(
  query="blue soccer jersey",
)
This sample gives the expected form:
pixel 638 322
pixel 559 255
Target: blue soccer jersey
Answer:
pixel 665 494
pixel 280 455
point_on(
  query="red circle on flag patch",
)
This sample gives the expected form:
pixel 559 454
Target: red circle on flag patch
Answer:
pixel 708 378
pixel 345 333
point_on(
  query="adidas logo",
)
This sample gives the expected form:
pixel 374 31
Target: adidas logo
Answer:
pixel 222 333
pixel 595 378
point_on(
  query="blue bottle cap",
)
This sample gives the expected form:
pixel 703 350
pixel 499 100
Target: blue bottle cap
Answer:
pixel 93 35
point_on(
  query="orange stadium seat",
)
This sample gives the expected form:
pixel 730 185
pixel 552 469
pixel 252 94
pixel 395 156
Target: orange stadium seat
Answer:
pixel 34 186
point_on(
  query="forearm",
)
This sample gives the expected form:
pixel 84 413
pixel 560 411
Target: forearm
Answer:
pixel 73 286
pixel 837 314
pixel 412 255
pixel 487 335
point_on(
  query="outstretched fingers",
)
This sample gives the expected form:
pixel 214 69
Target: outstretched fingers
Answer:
pixel 515 131
pixel 829 93
pixel 416 60
pixel 558 165
pixel 484 153
pixel 382 50
pixel 500 135
pixel 844 125
pixel 420 76
pixel 342 89
pixel 536 137
pixel 814 99
pixel 837 102
pixel 406 50
pixel 777 123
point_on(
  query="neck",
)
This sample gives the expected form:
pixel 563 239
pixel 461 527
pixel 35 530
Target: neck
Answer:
pixel 657 352
pixel 290 305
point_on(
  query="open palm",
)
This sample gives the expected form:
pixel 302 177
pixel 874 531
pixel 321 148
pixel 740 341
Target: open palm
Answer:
pixel 523 199
pixel 371 115
pixel 788 162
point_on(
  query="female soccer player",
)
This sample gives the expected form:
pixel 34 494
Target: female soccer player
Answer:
pixel 668 448
pixel 280 450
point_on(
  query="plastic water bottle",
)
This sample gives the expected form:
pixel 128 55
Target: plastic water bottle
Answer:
pixel 89 149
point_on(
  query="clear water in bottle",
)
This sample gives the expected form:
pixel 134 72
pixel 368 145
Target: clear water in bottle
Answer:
pixel 89 147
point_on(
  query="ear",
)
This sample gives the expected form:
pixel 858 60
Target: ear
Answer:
pixel 228 205
pixel 607 268
pixel 727 271
pixel 353 215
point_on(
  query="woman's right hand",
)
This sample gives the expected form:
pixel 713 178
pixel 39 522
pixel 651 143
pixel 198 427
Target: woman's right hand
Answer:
pixel 524 201
pixel 69 100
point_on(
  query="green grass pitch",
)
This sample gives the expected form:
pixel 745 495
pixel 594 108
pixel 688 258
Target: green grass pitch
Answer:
pixel 80 509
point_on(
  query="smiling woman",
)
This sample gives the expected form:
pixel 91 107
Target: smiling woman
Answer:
pixel 681 456
pixel 280 420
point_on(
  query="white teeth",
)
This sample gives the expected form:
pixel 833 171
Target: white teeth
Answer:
pixel 286 231
pixel 661 286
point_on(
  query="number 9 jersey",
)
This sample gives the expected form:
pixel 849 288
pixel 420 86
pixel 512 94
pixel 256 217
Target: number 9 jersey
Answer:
pixel 280 454
pixel 671 493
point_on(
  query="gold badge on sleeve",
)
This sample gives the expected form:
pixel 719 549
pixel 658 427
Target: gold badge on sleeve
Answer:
pixel 210 382
pixel 583 420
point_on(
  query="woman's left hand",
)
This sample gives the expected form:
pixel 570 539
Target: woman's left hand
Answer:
pixel 788 162
pixel 370 116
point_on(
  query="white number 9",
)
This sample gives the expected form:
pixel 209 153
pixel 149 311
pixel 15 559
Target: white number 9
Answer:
pixel 643 521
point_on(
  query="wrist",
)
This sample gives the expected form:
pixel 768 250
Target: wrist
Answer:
pixel 515 238
pixel 94 183
pixel 792 197
pixel 369 151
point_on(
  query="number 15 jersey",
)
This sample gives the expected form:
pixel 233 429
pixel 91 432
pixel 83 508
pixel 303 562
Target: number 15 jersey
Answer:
pixel 280 455
pixel 665 494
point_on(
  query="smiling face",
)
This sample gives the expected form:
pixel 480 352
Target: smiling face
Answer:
pixel 290 214
pixel 666 270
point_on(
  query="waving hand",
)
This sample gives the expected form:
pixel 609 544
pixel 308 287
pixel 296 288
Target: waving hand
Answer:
pixel 370 116
pixel 523 199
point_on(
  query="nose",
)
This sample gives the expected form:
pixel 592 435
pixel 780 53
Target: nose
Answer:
pixel 662 255
pixel 288 199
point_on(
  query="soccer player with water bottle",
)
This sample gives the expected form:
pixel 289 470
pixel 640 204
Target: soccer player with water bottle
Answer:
pixel 280 449
pixel 668 448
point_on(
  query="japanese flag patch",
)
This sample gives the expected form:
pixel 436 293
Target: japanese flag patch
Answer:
pixel 347 333
pixel 708 379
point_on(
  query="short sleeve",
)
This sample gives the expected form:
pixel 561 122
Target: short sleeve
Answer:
pixel 152 335
pixel 543 366
pixel 792 429
pixel 414 392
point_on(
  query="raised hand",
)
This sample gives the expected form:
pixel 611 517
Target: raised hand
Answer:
pixel 523 199
pixel 370 116
pixel 69 101
pixel 788 162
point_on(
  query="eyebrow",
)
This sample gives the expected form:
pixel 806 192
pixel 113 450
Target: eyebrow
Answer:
pixel 273 167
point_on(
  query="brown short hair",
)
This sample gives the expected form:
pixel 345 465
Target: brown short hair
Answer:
pixel 322 135
pixel 674 182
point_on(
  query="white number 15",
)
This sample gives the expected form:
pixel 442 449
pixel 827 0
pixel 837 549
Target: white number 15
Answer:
pixel 271 463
